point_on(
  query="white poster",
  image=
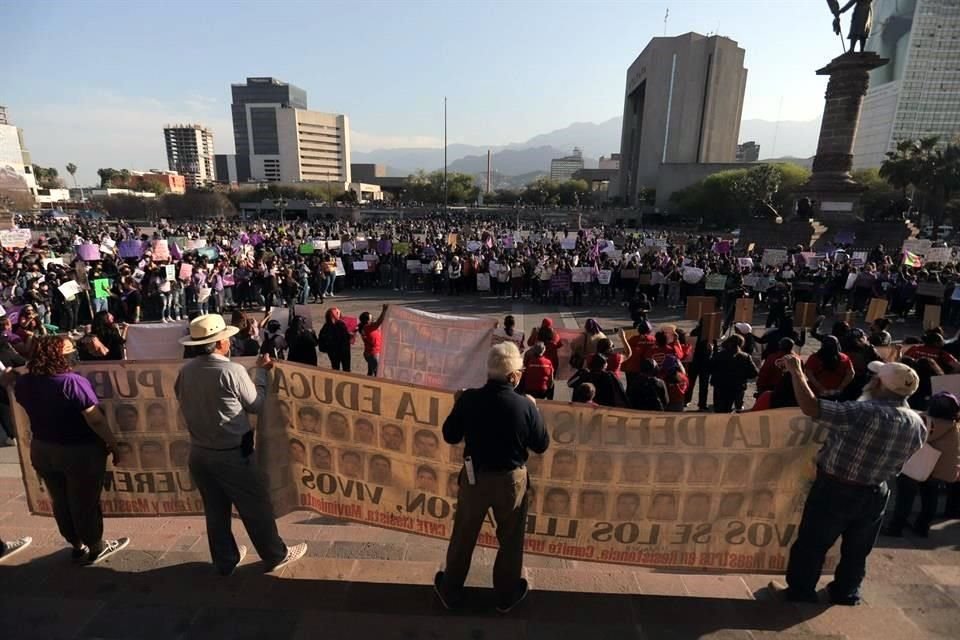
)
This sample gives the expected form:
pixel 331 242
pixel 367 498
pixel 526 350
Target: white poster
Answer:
pixel 155 341
pixel 483 282
pixel 431 349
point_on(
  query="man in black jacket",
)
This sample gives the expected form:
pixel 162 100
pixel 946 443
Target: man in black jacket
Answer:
pixel 498 426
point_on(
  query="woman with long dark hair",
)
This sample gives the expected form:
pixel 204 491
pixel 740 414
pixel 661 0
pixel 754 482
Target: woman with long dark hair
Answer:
pixel 106 339
pixel 71 440
pixel 335 340
pixel 829 370
pixel 301 342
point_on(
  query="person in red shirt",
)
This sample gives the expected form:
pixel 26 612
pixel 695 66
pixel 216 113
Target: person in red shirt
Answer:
pixel 829 371
pixel 551 342
pixel 372 340
pixel 664 347
pixel 614 357
pixel 640 347
pixel 673 374
pixel 770 373
pixel 537 379
pixel 932 348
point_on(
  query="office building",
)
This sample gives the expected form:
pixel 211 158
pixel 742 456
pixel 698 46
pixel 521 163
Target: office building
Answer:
pixel 748 152
pixel 225 165
pixel 682 104
pixel 611 163
pixel 562 169
pixel 190 153
pixel 16 168
pixel 254 108
pixel 278 140
pixel 368 172
pixel 916 94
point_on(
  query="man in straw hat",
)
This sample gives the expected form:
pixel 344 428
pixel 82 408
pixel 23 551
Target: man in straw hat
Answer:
pixel 498 426
pixel 867 443
pixel 215 396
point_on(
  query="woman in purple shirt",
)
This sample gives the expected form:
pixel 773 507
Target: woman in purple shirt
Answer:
pixel 69 446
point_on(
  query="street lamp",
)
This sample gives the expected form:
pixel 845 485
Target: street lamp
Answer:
pixel 281 204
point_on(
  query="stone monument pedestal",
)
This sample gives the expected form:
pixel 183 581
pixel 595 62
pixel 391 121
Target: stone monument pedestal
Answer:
pixel 831 187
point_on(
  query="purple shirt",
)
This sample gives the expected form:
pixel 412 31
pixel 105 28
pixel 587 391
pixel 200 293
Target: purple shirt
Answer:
pixel 55 406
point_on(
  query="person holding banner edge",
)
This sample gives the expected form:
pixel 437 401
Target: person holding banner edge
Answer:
pixel 868 442
pixel 215 396
pixel 498 426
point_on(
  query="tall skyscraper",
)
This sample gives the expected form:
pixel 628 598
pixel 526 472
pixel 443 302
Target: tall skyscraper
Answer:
pixel 917 93
pixel 682 104
pixel 254 111
pixel 278 140
pixel 562 169
pixel 190 153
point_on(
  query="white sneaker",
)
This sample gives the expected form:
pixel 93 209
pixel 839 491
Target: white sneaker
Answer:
pixel 14 547
pixel 294 553
pixel 110 547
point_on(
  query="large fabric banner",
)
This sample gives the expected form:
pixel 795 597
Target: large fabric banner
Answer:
pixel 155 341
pixel 436 350
pixel 705 491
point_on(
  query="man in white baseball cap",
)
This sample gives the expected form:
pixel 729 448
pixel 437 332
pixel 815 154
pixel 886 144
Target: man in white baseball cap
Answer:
pixel 215 396
pixel 867 442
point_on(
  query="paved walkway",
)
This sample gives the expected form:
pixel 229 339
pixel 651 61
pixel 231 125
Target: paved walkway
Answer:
pixel 360 582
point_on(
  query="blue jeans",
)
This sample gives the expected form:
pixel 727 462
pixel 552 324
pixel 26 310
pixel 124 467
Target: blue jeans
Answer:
pixel 304 292
pixel 834 509
pixel 331 279
pixel 167 300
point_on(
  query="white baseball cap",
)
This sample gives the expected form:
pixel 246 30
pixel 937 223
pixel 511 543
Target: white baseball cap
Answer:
pixel 896 377
pixel 743 327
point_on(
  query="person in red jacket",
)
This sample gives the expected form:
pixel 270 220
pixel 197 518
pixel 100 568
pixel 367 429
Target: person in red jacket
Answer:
pixel 673 374
pixel 640 347
pixel 551 342
pixel 537 379
pixel 770 373
pixel 372 339
pixel 932 348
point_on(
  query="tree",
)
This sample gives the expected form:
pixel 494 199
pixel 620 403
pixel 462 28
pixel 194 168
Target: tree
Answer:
pixel 46 177
pixel 107 177
pixel 931 168
pixel 72 170
pixel 900 166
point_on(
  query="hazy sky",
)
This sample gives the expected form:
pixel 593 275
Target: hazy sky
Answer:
pixel 94 82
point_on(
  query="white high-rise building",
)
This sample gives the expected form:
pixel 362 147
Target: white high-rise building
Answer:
pixel 562 169
pixel 190 153
pixel 916 94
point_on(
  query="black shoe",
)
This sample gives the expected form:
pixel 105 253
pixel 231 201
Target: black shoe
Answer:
pixel 448 601
pixel 507 605
pixel 892 531
pixel 77 554
pixel 921 529
pixel 844 600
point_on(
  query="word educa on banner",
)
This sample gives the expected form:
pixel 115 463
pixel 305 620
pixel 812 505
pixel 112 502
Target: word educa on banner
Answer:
pixel 721 492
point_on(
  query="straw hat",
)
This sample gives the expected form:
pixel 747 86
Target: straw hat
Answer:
pixel 207 329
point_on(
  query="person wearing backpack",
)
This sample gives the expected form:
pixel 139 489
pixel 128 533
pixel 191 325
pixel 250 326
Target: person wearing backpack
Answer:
pixel 648 392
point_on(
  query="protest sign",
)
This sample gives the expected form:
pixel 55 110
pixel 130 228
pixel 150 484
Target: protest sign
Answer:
pixel 745 263
pixel 693 491
pixel 306 248
pixel 361 244
pixel 483 282
pixel 604 276
pixel 877 309
pixel 161 250
pixel 692 275
pixel 434 349
pixel 49 261
pixel 938 254
pixel 743 312
pixel 131 248
pixel 333 245
pixel 210 253
pixel 186 270
pixel 370 257
pixel 88 252
pixel 931 289
pixel 170 271
pixel 774 257
pixel 69 289
pixel 805 315
pixel 583 274
pixel 917 246
pixel 716 282
pixel 15 238
pixel 473 245
pixel 751 281
pixel 859 258
pixel 401 248
pixel 931 316
pixel 723 247
pixel 155 341
pixel 568 243
pixel 341 271
pixel 413 266
pixel 699 306
pixel 359 265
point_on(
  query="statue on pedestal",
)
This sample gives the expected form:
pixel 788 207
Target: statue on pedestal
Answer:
pixel 860 23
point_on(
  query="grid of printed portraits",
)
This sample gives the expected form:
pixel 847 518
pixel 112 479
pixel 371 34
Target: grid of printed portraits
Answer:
pixel 326 439
pixel 151 435
pixel 406 358
pixel 688 487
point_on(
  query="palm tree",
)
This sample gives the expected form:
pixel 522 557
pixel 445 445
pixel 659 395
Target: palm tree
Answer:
pixel 72 170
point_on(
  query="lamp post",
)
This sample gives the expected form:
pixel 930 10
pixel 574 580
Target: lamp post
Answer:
pixel 281 204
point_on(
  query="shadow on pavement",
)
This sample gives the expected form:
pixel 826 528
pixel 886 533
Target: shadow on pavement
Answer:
pixel 50 598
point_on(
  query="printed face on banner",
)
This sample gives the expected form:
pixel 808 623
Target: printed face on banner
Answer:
pixel 371 451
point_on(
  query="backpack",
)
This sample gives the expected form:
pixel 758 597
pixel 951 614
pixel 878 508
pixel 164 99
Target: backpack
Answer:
pixel 647 395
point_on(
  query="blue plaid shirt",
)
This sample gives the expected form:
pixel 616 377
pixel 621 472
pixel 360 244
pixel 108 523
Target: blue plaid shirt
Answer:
pixel 869 441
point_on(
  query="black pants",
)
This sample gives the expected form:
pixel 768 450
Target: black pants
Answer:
pixel 834 509
pixel 907 490
pixel 701 371
pixel 373 364
pixel 340 361
pixel 229 479
pixel 73 477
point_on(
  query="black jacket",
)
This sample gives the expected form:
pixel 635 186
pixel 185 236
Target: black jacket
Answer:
pixel 498 425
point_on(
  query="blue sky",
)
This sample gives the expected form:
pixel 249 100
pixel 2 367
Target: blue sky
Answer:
pixel 93 82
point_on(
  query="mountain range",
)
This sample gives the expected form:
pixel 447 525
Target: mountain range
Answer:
pixel 776 139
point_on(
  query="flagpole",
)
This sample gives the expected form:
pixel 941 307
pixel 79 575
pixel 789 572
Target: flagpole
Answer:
pixel 445 191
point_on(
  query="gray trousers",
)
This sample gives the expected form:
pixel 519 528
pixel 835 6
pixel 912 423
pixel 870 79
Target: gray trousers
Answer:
pixel 505 493
pixel 227 479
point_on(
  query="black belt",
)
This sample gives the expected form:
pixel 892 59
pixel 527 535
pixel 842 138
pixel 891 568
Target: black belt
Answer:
pixel 844 481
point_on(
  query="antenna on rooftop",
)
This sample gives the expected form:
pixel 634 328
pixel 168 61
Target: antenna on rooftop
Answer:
pixel 665 18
